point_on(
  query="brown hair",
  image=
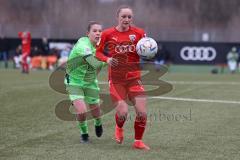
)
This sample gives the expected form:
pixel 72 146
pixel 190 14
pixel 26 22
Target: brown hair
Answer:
pixel 122 7
pixel 90 24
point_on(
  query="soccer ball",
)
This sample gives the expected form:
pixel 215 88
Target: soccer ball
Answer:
pixel 147 48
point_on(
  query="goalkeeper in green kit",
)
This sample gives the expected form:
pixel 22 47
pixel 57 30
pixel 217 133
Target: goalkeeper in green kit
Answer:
pixel 81 80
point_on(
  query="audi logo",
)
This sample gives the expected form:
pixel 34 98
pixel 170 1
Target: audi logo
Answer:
pixel 125 48
pixel 198 53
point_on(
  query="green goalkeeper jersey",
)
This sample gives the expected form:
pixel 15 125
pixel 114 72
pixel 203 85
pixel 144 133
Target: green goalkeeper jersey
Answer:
pixel 82 64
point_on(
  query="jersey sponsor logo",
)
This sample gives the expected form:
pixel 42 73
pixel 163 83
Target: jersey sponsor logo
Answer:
pixel 132 37
pixel 198 53
pixel 125 48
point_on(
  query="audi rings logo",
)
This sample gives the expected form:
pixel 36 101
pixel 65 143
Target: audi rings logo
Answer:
pixel 198 53
pixel 125 48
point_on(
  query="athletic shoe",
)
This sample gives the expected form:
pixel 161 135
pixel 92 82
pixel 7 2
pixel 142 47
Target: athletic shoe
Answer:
pixel 99 130
pixel 140 145
pixel 84 138
pixel 118 135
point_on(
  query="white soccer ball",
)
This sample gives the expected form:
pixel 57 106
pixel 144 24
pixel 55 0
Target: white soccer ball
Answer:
pixel 147 48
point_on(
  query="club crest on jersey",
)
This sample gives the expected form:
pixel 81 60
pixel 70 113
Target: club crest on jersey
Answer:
pixel 132 37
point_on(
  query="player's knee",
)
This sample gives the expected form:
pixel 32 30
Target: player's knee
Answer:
pixel 122 112
pixel 140 101
pixel 122 108
pixel 80 106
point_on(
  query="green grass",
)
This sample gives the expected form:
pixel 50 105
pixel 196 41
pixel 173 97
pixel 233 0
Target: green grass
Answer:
pixel 203 130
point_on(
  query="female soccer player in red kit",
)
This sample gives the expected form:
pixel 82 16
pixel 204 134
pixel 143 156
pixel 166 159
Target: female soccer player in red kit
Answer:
pixel 26 49
pixel 117 47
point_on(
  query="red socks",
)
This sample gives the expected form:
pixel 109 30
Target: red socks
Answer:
pixel 139 126
pixel 120 120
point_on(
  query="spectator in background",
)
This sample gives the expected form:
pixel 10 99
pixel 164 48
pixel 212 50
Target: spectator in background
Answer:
pixel 44 52
pixel 239 59
pixel 64 55
pixel 159 58
pixel 35 51
pixel 36 58
pixel 4 50
pixel 162 57
pixel 232 59
pixel 44 46
pixel 17 57
pixel 26 49
pixel 52 58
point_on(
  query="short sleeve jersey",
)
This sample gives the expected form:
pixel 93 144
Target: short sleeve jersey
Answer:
pixel 122 46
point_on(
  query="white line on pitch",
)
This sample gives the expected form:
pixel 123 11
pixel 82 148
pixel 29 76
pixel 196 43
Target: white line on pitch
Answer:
pixel 204 82
pixel 195 100
pixel 195 83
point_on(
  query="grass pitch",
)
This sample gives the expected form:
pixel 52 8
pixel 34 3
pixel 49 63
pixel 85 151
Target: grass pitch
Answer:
pixel 177 128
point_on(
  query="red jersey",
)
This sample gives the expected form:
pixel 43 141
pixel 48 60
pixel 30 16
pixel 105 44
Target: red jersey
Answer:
pixel 122 46
pixel 26 42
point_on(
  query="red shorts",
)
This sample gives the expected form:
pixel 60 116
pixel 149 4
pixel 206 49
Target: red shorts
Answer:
pixel 126 90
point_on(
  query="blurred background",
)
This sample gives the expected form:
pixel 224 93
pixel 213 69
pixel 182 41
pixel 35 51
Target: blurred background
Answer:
pixel 174 24
pixel 164 20
pixel 199 47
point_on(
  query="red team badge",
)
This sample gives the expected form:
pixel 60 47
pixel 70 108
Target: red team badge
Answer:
pixel 132 37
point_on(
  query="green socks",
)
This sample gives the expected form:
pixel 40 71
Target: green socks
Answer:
pixel 98 122
pixel 83 127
